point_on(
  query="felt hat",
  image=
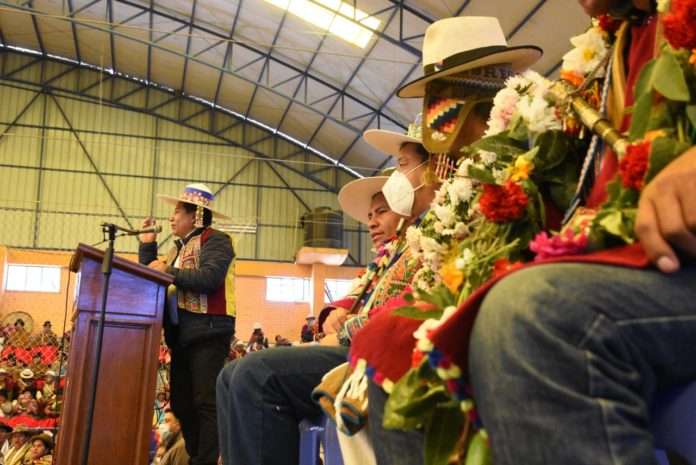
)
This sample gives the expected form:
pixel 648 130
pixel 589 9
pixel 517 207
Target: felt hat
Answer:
pixel 356 196
pixel 453 45
pixel 45 438
pixel 4 427
pixel 51 373
pixel 257 326
pixel 23 429
pixel 310 317
pixel 390 142
pixel 26 374
pixel 4 371
pixel 196 194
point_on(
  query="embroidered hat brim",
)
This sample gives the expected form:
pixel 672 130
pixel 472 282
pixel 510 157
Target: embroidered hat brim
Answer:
pixel 355 197
pixel 519 58
pixel 174 200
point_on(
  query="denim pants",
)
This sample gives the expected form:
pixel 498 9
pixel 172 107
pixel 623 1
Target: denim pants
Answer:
pixel 193 373
pixel 565 359
pixel 263 396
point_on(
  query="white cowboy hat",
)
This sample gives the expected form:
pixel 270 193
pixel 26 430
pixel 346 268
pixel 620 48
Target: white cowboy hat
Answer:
pixel 196 194
pixel 458 44
pixel 257 326
pixel 26 374
pixel 310 317
pixel 356 196
pixel 390 142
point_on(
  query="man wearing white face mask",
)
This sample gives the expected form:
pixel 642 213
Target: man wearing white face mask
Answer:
pixel 175 448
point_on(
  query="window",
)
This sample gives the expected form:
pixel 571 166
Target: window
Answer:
pixel 287 289
pixel 33 278
pixel 336 289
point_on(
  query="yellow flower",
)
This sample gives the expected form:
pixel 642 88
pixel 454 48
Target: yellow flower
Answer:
pixel 452 276
pixel 522 169
pixel 654 134
pixel 692 58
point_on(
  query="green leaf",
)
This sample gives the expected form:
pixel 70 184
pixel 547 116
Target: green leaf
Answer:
pixel 481 175
pixel 499 144
pixel 661 153
pixel 553 147
pixel 478 452
pixel 442 433
pixel 517 130
pixel 691 114
pixel 408 387
pixel 417 313
pixel 641 116
pixel 669 77
pixel 420 406
pixel 617 224
pixel 645 81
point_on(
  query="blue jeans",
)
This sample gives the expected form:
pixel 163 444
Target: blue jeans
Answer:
pixel 263 396
pixel 565 359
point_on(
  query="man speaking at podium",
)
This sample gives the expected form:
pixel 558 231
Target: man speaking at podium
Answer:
pixel 199 319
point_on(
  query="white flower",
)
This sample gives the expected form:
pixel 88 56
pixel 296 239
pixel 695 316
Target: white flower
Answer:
pixel 445 214
pixel 504 104
pixel 538 115
pixel 463 169
pixel 590 49
pixel 413 237
pixel 487 158
pixel 460 190
pixel 500 176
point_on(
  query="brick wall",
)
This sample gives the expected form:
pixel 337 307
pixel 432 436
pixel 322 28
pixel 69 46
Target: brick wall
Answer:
pixel 281 318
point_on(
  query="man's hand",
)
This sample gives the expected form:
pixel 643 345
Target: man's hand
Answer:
pixel 666 221
pixel 334 322
pixel 158 265
pixel 148 237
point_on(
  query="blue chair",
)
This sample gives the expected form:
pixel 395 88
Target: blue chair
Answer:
pixel 311 435
pixel 673 422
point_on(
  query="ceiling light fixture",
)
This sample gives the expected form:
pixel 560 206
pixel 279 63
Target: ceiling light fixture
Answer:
pixel 334 16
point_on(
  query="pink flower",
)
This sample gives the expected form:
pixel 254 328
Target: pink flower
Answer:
pixel 566 243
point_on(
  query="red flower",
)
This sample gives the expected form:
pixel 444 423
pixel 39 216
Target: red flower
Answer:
pixel 634 164
pixel 503 203
pixel 608 24
pixel 416 357
pixel 502 265
pixel 679 24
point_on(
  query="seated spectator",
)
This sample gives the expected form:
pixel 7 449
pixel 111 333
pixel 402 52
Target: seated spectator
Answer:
pixel 19 450
pixel 25 404
pixel 40 451
pixel 160 406
pixel 238 350
pixel 309 330
pixel 5 431
pixel 8 384
pixel 258 340
pixel 47 392
pixel 52 408
pixel 5 404
pixel 174 446
pixel 46 337
pixel 281 341
pixel 27 382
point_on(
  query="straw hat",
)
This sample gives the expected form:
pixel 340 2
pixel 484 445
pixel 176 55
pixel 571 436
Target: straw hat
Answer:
pixel 462 43
pixel 26 374
pixel 390 142
pixel 196 194
pixel 23 429
pixel 355 197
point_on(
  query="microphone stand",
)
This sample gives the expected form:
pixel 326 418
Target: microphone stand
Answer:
pixel 107 265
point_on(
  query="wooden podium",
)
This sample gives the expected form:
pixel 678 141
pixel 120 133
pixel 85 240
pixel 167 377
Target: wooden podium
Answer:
pixel 128 368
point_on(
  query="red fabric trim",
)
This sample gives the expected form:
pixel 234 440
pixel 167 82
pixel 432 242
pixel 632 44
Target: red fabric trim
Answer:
pixel 386 341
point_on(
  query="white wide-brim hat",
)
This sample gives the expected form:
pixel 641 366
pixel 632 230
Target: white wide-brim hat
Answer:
pixel 355 197
pixel 390 142
pixel 458 44
pixel 196 194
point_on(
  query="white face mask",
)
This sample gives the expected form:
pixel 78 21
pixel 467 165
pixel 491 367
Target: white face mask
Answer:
pixel 399 191
pixel 164 431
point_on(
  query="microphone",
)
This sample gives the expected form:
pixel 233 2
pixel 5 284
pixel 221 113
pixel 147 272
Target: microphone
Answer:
pixel 133 232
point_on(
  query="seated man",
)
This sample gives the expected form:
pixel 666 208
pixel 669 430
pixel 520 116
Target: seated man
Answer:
pixel 263 396
pixel 174 446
